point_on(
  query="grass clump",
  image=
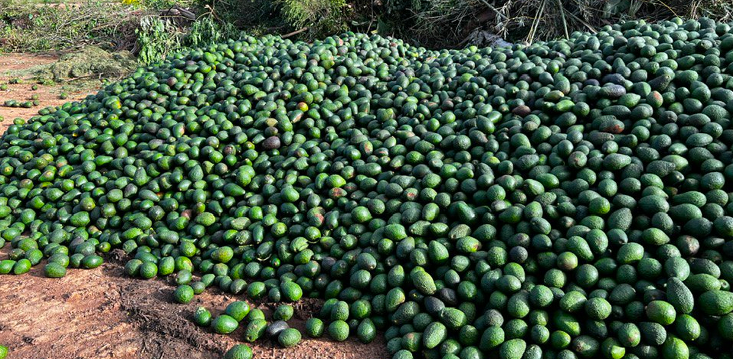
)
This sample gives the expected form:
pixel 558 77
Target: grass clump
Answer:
pixel 91 61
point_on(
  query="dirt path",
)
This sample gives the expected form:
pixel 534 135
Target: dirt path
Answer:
pixel 100 313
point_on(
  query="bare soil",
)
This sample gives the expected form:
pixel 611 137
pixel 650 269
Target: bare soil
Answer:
pixel 18 66
pixel 102 314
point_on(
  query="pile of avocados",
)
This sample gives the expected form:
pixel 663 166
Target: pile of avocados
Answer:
pixel 568 199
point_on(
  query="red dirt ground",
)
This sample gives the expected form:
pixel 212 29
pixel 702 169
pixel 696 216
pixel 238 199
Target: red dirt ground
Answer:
pixel 48 95
pixel 100 313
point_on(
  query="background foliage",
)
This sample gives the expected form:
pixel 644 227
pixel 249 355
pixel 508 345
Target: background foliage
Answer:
pixel 152 29
pixel 456 23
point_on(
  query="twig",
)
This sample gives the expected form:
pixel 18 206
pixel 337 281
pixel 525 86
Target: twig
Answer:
pixel 494 9
pixel 667 7
pixel 564 22
pixel 296 32
pixel 535 23
pixel 590 28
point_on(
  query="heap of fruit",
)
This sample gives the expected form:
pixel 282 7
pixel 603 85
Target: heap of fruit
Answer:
pixel 568 199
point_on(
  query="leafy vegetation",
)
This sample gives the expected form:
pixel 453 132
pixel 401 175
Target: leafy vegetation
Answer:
pixel 455 23
pixel 207 30
pixel 29 27
pixel 323 17
pixel 157 38
pixel 141 27
pixel 146 28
